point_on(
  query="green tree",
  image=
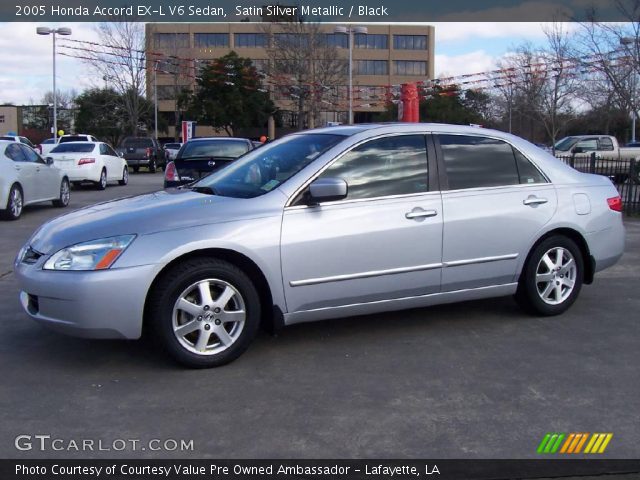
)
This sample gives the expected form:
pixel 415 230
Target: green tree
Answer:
pixel 229 95
pixel 102 112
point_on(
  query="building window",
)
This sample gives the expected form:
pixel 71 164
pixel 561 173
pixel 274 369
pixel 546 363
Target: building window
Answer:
pixel 371 67
pixel 371 41
pixel 251 40
pixel 338 40
pixel 210 40
pixel 1 118
pixel 410 42
pixel 171 40
pixel 410 67
pixel 299 40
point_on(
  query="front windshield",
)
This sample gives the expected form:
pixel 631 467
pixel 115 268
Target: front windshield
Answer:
pixel 213 148
pixel 268 167
pixel 566 143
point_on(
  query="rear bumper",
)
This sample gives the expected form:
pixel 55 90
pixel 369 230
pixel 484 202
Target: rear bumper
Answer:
pixel 89 172
pixel 137 162
pixel 607 246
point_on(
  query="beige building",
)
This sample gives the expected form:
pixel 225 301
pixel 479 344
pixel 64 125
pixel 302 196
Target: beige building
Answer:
pixel 386 55
pixel 9 119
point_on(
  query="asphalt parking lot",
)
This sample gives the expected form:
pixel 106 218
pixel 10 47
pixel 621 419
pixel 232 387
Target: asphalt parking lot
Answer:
pixel 472 380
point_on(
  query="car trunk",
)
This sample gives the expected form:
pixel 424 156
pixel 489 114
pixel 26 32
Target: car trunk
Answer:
pixel 192 169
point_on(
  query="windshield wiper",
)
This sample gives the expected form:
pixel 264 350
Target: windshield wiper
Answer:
pixel 205 190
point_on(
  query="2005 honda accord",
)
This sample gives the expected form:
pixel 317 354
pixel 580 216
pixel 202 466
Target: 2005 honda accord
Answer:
pixel 322 224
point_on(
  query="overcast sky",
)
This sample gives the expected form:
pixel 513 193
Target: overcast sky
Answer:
pixel 25 71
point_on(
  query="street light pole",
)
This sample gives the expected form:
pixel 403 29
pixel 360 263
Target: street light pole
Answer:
pixel 155 97
pixel 350 31
pixel 54 31
pixel 625 42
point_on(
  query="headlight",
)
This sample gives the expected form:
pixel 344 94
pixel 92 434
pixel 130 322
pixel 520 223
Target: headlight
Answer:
pixel 93 255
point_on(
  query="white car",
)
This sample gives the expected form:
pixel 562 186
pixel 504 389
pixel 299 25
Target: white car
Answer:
pixel 26 178
pixel 171 150
pixel 93 162
pixel 46 146
pixel 77 137
pixel 18 138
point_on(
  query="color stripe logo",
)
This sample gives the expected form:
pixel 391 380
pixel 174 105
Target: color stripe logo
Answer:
pixel 574 442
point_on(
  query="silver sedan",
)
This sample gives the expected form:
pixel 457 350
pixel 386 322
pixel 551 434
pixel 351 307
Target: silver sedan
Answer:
pixel 322 224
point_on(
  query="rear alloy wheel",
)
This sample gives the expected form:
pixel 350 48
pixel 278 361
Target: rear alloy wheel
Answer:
pixel 552 277
pixel 152 165
pixel 15 204
pixel 102 183
pixel 205 312
pixel 65 194
pixel 125 177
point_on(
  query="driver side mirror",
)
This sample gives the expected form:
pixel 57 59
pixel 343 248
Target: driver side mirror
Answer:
pixel 328 190
pixel 49 161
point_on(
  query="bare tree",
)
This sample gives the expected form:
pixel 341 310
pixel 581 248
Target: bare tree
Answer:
pixel 119 60
pixel 302 61
pixel 65 98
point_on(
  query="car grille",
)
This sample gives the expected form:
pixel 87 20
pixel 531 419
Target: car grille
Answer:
pixel 31 256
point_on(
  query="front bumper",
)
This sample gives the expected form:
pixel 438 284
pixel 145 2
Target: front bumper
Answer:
pixel 93 304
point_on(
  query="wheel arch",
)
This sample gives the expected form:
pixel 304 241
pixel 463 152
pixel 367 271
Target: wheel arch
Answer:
pixel 580 241
pixel 271 315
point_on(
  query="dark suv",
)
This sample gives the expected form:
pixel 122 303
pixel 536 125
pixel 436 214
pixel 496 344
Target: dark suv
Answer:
pixel 142 152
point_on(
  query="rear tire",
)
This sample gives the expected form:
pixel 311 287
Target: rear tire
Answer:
pixel 125 177
pixel 136 169
pixel 65 194
pixel 152 165
pixel 102 183
pixel 15 204
pixel 552 277
pixel 201 329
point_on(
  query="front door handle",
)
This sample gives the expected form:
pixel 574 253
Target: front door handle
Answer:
pixel 420 213
pixel 533 200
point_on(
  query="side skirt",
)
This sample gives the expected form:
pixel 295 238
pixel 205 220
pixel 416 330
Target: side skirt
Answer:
pixel 399 303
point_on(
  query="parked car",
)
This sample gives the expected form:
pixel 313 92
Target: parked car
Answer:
pixel 610 159
pixel 77 137
pixel 201 156
pixel 20 139
pixel 46 146
pixel 26 178
pixel 142 152
pixel 170 150
pixel 326 223
pixel 93 162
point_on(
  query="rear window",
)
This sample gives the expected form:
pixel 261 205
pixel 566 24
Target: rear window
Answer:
pixel 74 148
pixel 172 146
pixel 11 139
pixel 137 142
pixel 73 138
pixel 214 148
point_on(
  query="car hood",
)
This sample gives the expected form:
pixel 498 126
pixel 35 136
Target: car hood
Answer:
pixel 141 215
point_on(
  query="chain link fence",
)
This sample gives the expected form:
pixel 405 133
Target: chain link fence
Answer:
pixel 623 172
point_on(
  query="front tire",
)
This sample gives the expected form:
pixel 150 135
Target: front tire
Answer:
pixel 205 312
pixel 102 183
pixel 65 194
pixel 15 204
pixel 125 177
pixel 552 278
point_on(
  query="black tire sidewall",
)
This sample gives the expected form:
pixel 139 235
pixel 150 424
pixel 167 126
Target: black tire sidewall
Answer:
pixel 176 282
pixel 8 214
pixel 527 289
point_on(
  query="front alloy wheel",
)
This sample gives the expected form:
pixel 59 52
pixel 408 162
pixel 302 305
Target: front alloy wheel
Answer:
pixel 15 203
pixel 102 183
pixel 65 194
pixel 205 312
pixel 125 177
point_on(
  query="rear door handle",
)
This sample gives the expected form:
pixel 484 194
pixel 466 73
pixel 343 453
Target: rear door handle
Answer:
pixel 420 213
pixel 533 200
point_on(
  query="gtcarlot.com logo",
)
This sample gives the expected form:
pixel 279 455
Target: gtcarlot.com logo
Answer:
pixel 45 443
pixel 575 442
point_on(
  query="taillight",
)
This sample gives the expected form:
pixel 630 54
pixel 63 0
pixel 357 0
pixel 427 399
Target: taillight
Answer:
pixel 170 173
pixel 615 203
pixel 148 152
pixel 85 161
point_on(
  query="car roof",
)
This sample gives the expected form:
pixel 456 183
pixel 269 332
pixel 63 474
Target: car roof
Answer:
pixel 217 138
